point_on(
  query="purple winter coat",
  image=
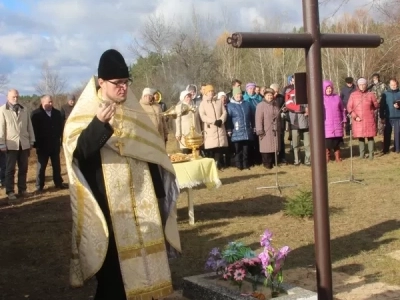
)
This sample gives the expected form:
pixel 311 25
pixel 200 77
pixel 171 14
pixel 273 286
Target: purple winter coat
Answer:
pixel 335 115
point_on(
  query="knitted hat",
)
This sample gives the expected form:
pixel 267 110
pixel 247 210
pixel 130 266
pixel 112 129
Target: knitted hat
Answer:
pixel 208 88
pixel 220 94
pixel 112 65
pixel 362 80
pixel 71 97
pixel 236 90
pixel 250 84
pixel 184 94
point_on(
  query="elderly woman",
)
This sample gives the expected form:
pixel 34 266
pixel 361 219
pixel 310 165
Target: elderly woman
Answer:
pixel 254 99
pixel 227 152
pixel 213 114
pixel 154 111
pixel 335 121
pixel 362 105
pixel 183 123
pixel 268 128
pixel 240 124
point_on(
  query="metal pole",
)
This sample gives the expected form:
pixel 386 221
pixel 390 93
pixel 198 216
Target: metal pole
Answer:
pixel 318 159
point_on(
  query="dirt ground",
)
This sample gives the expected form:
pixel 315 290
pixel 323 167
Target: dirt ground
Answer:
pixel 35 236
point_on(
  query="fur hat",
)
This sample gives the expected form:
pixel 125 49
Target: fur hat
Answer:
pixel 112 65
pixel 269 91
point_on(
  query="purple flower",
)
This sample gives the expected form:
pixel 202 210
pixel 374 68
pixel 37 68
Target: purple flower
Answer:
pixel 214 252
pixel 266 238
pixel 210 264
pixel 220 263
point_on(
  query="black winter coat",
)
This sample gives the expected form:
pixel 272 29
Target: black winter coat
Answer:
pixel 48 130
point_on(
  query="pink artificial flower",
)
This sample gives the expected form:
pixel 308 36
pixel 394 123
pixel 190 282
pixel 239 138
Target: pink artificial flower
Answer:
pixel 239 274
pixel 266 238
pixel 284 251
pixel 264 258
pixel 247 261
pixel 226 276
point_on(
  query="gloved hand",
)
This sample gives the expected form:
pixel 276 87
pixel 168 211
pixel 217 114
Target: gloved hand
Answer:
pixel 218 123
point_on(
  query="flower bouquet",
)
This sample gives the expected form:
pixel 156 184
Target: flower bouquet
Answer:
pixel 238 262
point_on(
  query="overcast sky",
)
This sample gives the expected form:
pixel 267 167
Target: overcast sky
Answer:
pixel 71 34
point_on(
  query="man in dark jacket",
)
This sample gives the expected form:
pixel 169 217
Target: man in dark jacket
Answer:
pixel 48 125
pixel 235 83
pixel 347 90
pixel 345 95
pixel 390 115
pixel 67 108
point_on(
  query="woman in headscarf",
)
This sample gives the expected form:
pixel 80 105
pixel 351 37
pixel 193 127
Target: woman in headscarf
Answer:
pixel 183 123
pixel 335 121
pixel 268 128
pixel 240 124
pixel 213 114
pixel 361 106
pixel 254 99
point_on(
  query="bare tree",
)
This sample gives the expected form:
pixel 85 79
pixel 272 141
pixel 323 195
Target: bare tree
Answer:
pixel 51 82
pixel 3 82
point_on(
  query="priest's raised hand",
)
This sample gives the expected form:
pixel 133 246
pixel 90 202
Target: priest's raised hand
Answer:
pixel 106 112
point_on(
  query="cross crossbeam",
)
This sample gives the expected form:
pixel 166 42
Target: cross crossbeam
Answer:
pixel 312 41
pixel 302 40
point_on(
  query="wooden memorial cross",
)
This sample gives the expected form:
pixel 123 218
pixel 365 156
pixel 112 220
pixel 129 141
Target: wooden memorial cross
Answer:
pixel 312 41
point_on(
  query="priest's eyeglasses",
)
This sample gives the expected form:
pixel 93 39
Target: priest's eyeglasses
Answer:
pixel 122 83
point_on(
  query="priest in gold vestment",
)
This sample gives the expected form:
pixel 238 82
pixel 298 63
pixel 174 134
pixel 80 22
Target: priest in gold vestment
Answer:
pixel 123 191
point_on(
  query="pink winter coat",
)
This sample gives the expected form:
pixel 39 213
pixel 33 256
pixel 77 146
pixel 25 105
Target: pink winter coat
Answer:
pixel 335 115
pixel 363 105
pixel 210 111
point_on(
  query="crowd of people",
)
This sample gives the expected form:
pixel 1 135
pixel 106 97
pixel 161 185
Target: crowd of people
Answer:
pixel 241 128
pixel 20 132
pixel 249 125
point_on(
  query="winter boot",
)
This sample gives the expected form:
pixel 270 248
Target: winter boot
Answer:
pixel 361 145
pixel 328 155
pixel 371 148
pixel 337 155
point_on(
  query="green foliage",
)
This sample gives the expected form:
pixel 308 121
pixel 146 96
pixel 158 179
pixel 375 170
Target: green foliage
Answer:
pixel 236 251
pixel 300 206
pixel 145 66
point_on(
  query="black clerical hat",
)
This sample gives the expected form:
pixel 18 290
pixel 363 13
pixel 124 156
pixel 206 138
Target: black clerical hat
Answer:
pixel 112 65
